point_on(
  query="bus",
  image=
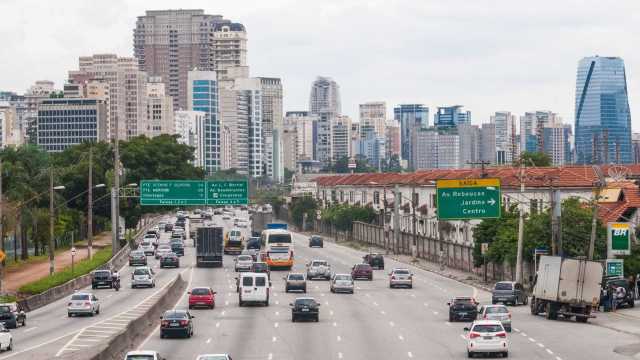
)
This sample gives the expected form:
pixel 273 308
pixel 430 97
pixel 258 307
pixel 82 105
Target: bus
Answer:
pixel 278 248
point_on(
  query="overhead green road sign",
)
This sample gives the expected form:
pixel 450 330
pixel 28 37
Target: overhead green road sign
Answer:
pixel 468 199
pixel 193 192
pixel 235 192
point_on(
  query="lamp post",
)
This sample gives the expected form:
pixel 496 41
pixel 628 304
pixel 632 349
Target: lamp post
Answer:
pixel 51 220
pixel 90 211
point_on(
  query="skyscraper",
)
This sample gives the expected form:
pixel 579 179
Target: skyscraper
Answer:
pixel 603 118
pixel 373 117
pixel 505 137
pixel 271 120
pixel 325 96
pixel 203 96
pixel 159 109
pixel 409 117
pixel 531 125
pixel 451 116
pixel 304 125
pixel 189 125
pixel 341 135
pixel 170 43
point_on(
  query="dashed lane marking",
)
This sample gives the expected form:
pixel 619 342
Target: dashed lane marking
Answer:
pixel 338 338
pixel 30 329
pixel 463 337
pixel 275 325
pixel 516 329
pixel 339 355
pixel 448 323
pixel 409 354
pixel 382 312
pixel 391 324
pixel 208 340
pixel 532 339
pixel 540 345
pixel 549 351
pixel 274 339
pixel 270 356
pixel 335 324
pixel 400 337
pixel 218 324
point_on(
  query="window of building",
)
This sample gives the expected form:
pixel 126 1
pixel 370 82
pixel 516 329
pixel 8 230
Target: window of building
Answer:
pixel 376 197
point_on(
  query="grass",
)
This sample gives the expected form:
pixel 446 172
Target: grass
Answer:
pixel 61 277
pixel 7 299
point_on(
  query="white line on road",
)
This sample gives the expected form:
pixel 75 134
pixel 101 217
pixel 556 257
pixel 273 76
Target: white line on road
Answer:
pixel 426 304
pixel 532 339
pixel 331 312
pixel 375 303
pixel 382 312
pixel 335 324
pixel 277 313
pixel 274 339
pixel 541 345
pixel 30 329
pixel 275 325
pixel 400 337
pixel 448 323
pixel 463 337
pixel 391 324
pixel 558 358
pixel 516 329
pixel 222 313
pixel 339 355
pixel 208 340
pixel 550 352
pixel 435 313
pixel 523 334
pixel 338 338
pixel 277 302
pixel 409 354
pixel 226 303
pixel 218 324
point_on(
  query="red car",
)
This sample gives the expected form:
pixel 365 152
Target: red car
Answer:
pixel 362 271
pixel 202 297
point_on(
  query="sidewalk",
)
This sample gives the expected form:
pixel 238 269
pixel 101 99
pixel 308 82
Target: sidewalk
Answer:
pixel 14 279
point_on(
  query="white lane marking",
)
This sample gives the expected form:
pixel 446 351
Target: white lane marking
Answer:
pixel 226 303
pixel 338 338
pixel 413 295
pixel 277 302
pixel 532 339
pixel 277 313
pixel 523 334
pixel 400 337
pixel 382 312
pixel 222 313
pixel 274 339
pixel 331 312
pixel 30 329
pixel 270 356
pixel 339 355
pixel 426 304
pixel 208 340
pixel 335 324
pixel 391 324
pixel 409 354
pixel 275 325
pixel 218 324
pixel 541 345
pixel 435 313
pixel 549 351
pixel 367 294
pixel 516 329
pixel 321 294
pixel 448 323
pixel 558 358
pixel 326 303
pixel 375 303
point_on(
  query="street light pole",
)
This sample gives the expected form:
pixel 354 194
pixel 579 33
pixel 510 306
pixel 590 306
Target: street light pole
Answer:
pixel 115 192
pixel 414 247
pixel 51 256
pixel 90 206
pixel 520 226
pixel 396 218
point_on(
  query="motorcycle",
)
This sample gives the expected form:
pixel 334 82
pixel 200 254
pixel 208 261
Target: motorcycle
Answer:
pixel 116 284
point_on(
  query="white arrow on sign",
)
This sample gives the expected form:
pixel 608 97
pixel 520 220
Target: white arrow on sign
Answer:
pixel 492 201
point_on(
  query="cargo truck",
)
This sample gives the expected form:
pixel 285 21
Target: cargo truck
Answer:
pixel 566 287
pixel 259 222
pixel 209 246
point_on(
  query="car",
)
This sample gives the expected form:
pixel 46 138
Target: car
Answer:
pixel 375 260
pixel 261 267
pixel 82 303
pixel 137 258
pixel 487 336
pixel 168 227
pixel 177 247
pixel 12 314
pixel 242 223
pixel 143 355
pixel 214 357
pixel 169 259
pixel 6 339
pixel 162 250
pixel 509 292
pixel 176 322
pixel 142 276
pixel 226 216
pixel 316 241
pixel 362 271
pixel 462 308
pixel 496 312
pixel 253 288
pixel 295 281
pixel 341 283
pixel 101 278
pixel 152 239
pixel 147 247
pixel 400 278
pixel 305 308
pixel 318 269
pixel 243 263
pixel 202 296
pixel 629 293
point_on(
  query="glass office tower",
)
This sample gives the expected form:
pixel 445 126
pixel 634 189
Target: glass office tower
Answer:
pixel 603 119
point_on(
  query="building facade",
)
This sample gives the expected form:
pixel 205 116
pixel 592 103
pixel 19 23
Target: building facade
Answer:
pixel 532 124
pixel 410 117
pixel 159 109
pixel 394 145
pixel 602 115
pixel 451 116
pixel 436 149
pixel 373 117
pixel 272 118
pixel 203 96
pixel 66 122
pixel 505 137
pixel 304 128
pixel 189 126
pixel 341 138
pixel 324 97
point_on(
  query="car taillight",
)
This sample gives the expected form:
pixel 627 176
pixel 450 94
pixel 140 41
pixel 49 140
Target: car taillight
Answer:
pixel 485 317
pixel 86 303
pixel 164 323
pixel 501 334
pixel 509 315
pixel 184 322
pixel 474 335
pixel 393 278
pixel 69 304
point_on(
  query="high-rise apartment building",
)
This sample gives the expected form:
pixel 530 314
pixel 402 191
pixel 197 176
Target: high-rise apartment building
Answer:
pixel 271 90
pixel 325 96
pixel 436 149
pixel 556 143
pixel 341 137
pixel 393 144
pixel 159 109
pixel 469 137
pixel 9 128
pixel 248 93
pixel 66 122
pixel 635 143
pixel 532 124
pixel 410 117
pixel 304 128
pixel 37 92
pixel 290 147
pixel 603 118
pixel 505 137
pixel 373 149
pixel 203 96
pixel 488 143
pixel 189 126
pixel 355 139
pixel 373 117
pixel 451 116
pixel 170 43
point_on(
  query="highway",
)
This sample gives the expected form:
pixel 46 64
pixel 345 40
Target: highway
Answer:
pixel 374 323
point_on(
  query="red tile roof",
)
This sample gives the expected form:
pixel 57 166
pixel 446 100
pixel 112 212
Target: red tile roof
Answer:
pixel 630 199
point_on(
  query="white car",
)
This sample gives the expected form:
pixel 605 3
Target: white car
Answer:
pixel 400 277
pixel 253 288
pixel 214 357
pixel 6 339
pixel 244 263
pixel 162 250
pixel 142 276
pixel 82 303
pixel 487 336
pixel 147 247
pixel 143 355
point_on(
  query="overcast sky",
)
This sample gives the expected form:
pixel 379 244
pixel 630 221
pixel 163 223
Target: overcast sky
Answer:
pixel 488 55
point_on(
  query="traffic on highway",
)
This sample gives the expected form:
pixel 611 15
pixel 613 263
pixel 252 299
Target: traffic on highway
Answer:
pixel 266 292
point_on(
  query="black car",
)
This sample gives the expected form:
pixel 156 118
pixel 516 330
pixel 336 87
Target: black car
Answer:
pixel 628 299
pixel 509 292
pixel 176 322
pixel 305 308
pixel 375 260
pixel 253 243
pixel 316 241
pixel 177 247
pixel 170 259
pixel 168 227
pixel 463 309
pixel 137 258
pixel 101 278
pixel 261 267
pixel 11 314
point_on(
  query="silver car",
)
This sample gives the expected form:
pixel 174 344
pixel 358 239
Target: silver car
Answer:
pixel 318 269
pixel 147 247
pixel 244 263
pixel 341 283
pixel 142 276
pixel 83 304
pixel 400 277
pixel 496 312
pixel 162 250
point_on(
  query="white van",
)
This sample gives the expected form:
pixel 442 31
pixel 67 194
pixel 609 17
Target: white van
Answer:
pixel 253 288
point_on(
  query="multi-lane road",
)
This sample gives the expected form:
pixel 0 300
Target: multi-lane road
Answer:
pixel 374 323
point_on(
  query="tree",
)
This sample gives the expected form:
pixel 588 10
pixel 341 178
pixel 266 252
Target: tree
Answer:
pixel 392 164
pixel 342 216
pixel 288 175
pixel 300 207
pixel 533 158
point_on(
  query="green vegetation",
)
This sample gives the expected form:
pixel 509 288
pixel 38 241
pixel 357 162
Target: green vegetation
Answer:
pixel 533 159
pixel 8 299
pixel 61 277
pixel 342 216
pixel 303 206
pixel 342 165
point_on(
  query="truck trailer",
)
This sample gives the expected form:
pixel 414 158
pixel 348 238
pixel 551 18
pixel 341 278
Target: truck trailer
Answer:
pixel 209 246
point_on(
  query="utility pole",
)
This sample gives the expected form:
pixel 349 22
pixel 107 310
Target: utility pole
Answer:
pixel 414 247
pixel 396 218
pixel 520 226
pixel 51 215
pixel 594 219
pixel 556 215
pixel 483 171
pixel 90 206
pixel 115 192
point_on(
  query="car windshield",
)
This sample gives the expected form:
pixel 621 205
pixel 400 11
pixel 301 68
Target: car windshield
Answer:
pixel 102 273
pixel 176 245
pixel 319 263
pixel 503 286
pixel 305 302
pixel 140 272
pixel 137 253
pixel 235 233
pixel 343 277
pixel 164 247
pixel 401 272
pixel 487 328
pixel 245 258
pixel 296 277
pixel 175 315
pixel 140 357
pixel 80 297
pixel 363 267
pixel 213 357
pixel 200 291
pixel 497 310
pixel 280 238
pixel 463 302
pixel 5 309
pixel 145 243
pixel 259 266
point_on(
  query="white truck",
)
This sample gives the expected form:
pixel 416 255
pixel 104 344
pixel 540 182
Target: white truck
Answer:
pixel 566 287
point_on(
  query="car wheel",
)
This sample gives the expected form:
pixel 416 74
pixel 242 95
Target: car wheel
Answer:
pixel 293 319
pixel 93 313
pixel 98 310
pixel 333 291
pixel 10 346
pixel 469 354
pixel 240 303
pixel 317 318
pixel 493 302
pixel 450 318
pixel 505 354
pixel 286 289
pixel 24 321
pixel 525 300
pixel 161 335
pixel 304 290
pixel 190 307
pixel 69 314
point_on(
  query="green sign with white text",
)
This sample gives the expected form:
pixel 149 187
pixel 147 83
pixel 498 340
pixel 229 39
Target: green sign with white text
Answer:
pixel 193 192
pixel 619 239
pixel 466 199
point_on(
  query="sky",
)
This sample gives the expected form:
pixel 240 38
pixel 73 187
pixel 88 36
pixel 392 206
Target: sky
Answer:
pixel 488 55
